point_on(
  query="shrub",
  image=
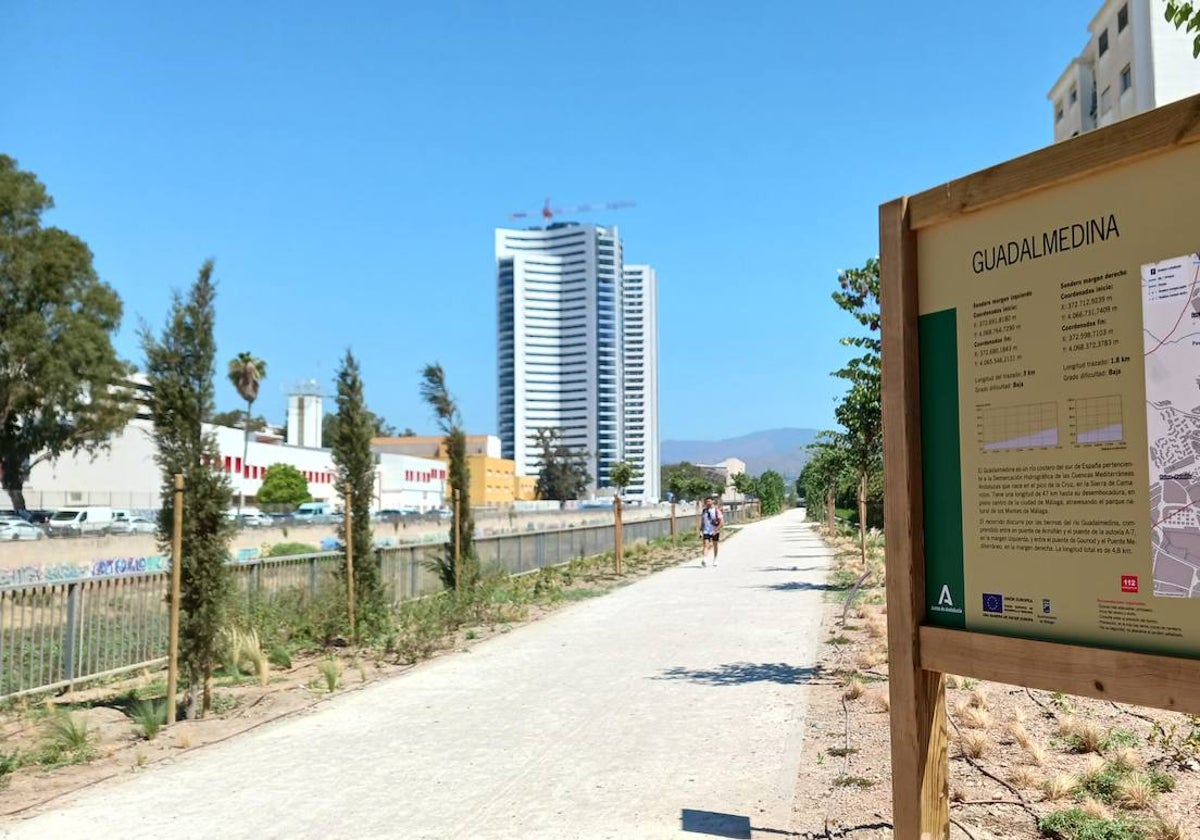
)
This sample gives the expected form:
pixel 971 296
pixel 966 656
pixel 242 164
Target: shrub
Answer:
pixel 1075 824
pixel 331 670
pixel 150 715
pixel 68 740
pixel 9 762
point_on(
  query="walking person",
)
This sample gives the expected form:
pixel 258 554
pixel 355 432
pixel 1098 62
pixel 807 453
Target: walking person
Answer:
pixel 711 520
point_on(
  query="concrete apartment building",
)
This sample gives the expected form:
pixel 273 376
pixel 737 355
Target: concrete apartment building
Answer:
pixel 562 329
pixel 1134 60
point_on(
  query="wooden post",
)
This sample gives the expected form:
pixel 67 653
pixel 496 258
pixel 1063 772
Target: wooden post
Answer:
pixel 457 542
pixel 176 586
pixel 920 766
pixel 672 520
pixel 350 564
pixel 618 535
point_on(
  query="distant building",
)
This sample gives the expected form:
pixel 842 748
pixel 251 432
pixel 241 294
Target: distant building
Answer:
pixel 306 414
pixel 724 471
pixel 640 346
pixel 494 480
pixel 566 310
pixel 1134 60
pixel 126 475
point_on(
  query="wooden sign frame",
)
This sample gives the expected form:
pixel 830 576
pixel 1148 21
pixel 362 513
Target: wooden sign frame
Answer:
pixel 920 655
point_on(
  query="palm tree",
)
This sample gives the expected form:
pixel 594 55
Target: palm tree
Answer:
pixel 246 372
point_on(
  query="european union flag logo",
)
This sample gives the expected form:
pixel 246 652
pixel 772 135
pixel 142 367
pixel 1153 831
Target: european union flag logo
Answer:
pixel 993 603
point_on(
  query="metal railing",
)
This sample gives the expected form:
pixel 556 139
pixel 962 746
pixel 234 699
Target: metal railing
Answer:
pixel 58 633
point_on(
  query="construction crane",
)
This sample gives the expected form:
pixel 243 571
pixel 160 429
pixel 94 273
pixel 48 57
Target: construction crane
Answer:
pixel 548 213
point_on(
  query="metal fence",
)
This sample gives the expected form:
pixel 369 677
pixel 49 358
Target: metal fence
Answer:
pixel 55 634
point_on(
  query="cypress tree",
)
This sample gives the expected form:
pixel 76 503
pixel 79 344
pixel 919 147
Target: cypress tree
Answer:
pixel 355 464
pixel 180 366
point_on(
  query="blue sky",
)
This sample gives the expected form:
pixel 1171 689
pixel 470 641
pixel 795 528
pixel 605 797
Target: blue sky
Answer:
pixel 346 164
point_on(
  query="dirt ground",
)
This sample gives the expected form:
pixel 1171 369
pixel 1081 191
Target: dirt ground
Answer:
pixel 1037 752
pixel 118 745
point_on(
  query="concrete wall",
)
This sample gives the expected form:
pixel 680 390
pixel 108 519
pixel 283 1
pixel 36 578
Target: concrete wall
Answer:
pixel 90 549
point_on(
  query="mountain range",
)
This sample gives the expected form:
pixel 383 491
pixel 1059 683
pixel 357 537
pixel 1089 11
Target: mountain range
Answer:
pixel 782 450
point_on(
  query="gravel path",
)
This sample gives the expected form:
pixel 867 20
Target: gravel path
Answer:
pixel 673 707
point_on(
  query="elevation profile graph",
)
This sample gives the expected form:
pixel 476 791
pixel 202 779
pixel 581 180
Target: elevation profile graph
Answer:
pixel 1025 426
pixel 1098 419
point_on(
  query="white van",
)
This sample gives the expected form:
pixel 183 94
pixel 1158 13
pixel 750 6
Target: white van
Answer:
pixel 74 522
pixel 313 512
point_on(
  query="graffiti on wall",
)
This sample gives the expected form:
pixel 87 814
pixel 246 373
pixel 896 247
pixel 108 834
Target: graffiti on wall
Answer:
pixel 70 572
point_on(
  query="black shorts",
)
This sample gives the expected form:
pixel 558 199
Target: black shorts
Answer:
pixel 712 537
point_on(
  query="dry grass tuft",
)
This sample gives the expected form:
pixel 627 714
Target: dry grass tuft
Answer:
pixel 1093 769
pixel 1020 734
pixel 881 699
pixel 974 717
pixel 1019 715
pixel 954 681
pixel 979 698
pixel 1129 757
pixel 1135 792
pixel 1036 754
pixel 869 658
pixel 854 689
pixel 975 743
pixel 1026 778
pixel 1067 725
pixel 183 741
pixel 1089 736
pixel 1164 829
pixel 876 628
pixel 1059 786
pixel 1095 809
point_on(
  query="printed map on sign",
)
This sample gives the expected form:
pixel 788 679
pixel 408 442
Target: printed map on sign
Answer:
pixel 1171 331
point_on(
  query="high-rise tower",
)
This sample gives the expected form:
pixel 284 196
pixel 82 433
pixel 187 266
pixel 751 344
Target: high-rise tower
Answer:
pixel 561 342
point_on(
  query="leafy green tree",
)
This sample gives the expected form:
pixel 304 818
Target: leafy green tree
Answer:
pixel 621 476
pixel 284 486
pixel 688 481
pixel 860 412
pixel 823 476
pixel 246 373
pixel 355 465
pixel 745 484
pixel 236 419
pixel 770 492
pixel 462 522
pixel 60 377
pixel 1186 16
pixel 562 471
pixel 180 365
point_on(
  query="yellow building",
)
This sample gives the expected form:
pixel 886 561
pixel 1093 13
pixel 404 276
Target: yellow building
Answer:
pixel 491 480
pixel 494 480
pixel 524 488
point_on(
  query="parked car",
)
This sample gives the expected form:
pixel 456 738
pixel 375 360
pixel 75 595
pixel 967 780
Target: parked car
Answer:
pixel 74 522
pixel 20 530
pixel 133 525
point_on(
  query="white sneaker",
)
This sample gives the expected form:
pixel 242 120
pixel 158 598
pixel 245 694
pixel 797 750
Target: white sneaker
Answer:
pixel 702 563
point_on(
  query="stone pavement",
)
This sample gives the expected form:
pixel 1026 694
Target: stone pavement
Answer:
pixel 673 707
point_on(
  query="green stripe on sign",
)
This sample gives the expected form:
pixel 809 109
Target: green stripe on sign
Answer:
pixel 941 464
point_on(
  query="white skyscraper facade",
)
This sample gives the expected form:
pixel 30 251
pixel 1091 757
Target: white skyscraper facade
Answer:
pixel 561 346
pixel 641 381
